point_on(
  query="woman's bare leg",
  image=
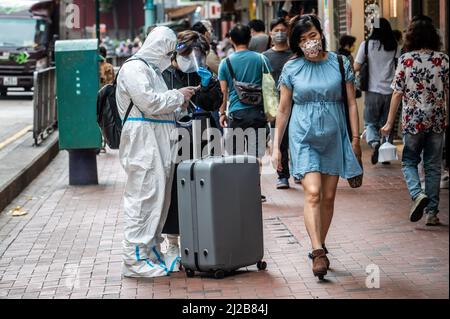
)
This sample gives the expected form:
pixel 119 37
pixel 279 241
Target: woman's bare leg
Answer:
pixel 329 186
pixel 312 188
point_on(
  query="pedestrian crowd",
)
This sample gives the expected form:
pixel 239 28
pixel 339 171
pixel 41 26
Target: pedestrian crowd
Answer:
pixel 315 136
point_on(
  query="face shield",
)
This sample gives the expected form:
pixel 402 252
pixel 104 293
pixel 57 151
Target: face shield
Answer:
pixel 192 62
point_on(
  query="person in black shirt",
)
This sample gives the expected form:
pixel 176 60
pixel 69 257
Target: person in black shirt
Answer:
pixel 208 98
pixel 347 47
pixel 278 55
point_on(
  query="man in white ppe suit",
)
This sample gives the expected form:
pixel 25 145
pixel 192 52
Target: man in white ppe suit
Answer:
pixel 146 151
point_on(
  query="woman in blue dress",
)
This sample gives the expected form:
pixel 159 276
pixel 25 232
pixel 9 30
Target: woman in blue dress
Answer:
pixel 321 150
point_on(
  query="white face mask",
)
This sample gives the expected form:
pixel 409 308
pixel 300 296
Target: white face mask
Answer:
pixel 186 64
pixel 192 62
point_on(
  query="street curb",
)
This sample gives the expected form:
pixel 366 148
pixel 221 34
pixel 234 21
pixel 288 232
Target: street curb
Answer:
pixel 18 183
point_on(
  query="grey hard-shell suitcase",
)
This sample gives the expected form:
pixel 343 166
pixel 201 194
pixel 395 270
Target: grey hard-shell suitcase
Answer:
pixel 220 214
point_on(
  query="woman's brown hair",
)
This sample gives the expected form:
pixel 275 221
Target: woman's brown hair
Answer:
pixel 187 40
pixel 422 34
pixel 299 25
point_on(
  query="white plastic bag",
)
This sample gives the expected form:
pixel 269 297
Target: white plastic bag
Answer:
pixel 387 152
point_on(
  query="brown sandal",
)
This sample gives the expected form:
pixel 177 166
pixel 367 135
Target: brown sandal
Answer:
pixel 310 255
pixel 320 264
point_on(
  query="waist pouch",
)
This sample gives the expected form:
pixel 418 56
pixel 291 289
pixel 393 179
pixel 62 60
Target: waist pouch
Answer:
pixel 248 93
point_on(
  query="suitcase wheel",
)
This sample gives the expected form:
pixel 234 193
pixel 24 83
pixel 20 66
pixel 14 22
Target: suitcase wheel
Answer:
pixel 190 273
pixel 262 265
pixel 219 274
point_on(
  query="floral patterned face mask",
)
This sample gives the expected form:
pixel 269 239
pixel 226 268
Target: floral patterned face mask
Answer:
pixel 312 48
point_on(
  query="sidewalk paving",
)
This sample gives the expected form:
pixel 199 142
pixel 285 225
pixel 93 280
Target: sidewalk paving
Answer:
pixel 69 243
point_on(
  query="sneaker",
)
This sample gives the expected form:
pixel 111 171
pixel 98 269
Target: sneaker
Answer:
pixel 374 158
pixel 386 163
pixel 263 199
pixel 419 205
pixel 444 182
pixel 283 183
pixel 432 220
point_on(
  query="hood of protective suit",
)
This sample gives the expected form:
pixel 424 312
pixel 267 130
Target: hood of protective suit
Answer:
pixel 156 48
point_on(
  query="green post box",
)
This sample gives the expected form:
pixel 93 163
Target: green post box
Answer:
pixel 77 76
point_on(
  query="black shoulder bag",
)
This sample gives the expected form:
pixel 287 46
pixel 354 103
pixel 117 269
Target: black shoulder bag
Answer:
pixel 248 93
pixel 356 181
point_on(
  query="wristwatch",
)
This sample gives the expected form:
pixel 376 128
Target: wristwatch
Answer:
pixel 220 114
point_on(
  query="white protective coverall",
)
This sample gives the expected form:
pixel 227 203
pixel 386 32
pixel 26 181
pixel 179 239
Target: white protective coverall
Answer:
pixel 147 153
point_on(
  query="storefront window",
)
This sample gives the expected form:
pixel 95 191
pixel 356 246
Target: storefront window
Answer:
pixel 436 10
pixel 431 8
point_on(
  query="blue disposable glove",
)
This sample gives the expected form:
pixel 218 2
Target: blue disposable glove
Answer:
pixel 205 75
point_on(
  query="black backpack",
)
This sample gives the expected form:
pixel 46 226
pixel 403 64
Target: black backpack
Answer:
pixel 108 117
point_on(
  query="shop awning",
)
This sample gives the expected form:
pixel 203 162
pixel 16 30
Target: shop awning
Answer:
pixel 174 13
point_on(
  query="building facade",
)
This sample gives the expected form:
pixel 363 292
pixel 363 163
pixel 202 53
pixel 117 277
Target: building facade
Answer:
pixel 353 16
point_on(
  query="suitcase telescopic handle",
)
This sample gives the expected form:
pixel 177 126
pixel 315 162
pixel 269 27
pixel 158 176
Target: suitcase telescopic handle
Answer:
pixel 197 137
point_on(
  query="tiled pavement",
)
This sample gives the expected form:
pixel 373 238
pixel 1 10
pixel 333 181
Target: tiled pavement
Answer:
pixel 69 244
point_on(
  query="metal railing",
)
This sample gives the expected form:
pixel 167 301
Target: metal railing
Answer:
pixel 45 119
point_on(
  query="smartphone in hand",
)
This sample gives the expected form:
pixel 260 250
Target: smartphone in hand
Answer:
pixel 195 88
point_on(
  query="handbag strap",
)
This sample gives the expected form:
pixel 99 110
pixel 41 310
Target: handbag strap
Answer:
pixel 366 49
pixel 264 64
pixel 230 68
pixel 127 112
pixel 344 94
